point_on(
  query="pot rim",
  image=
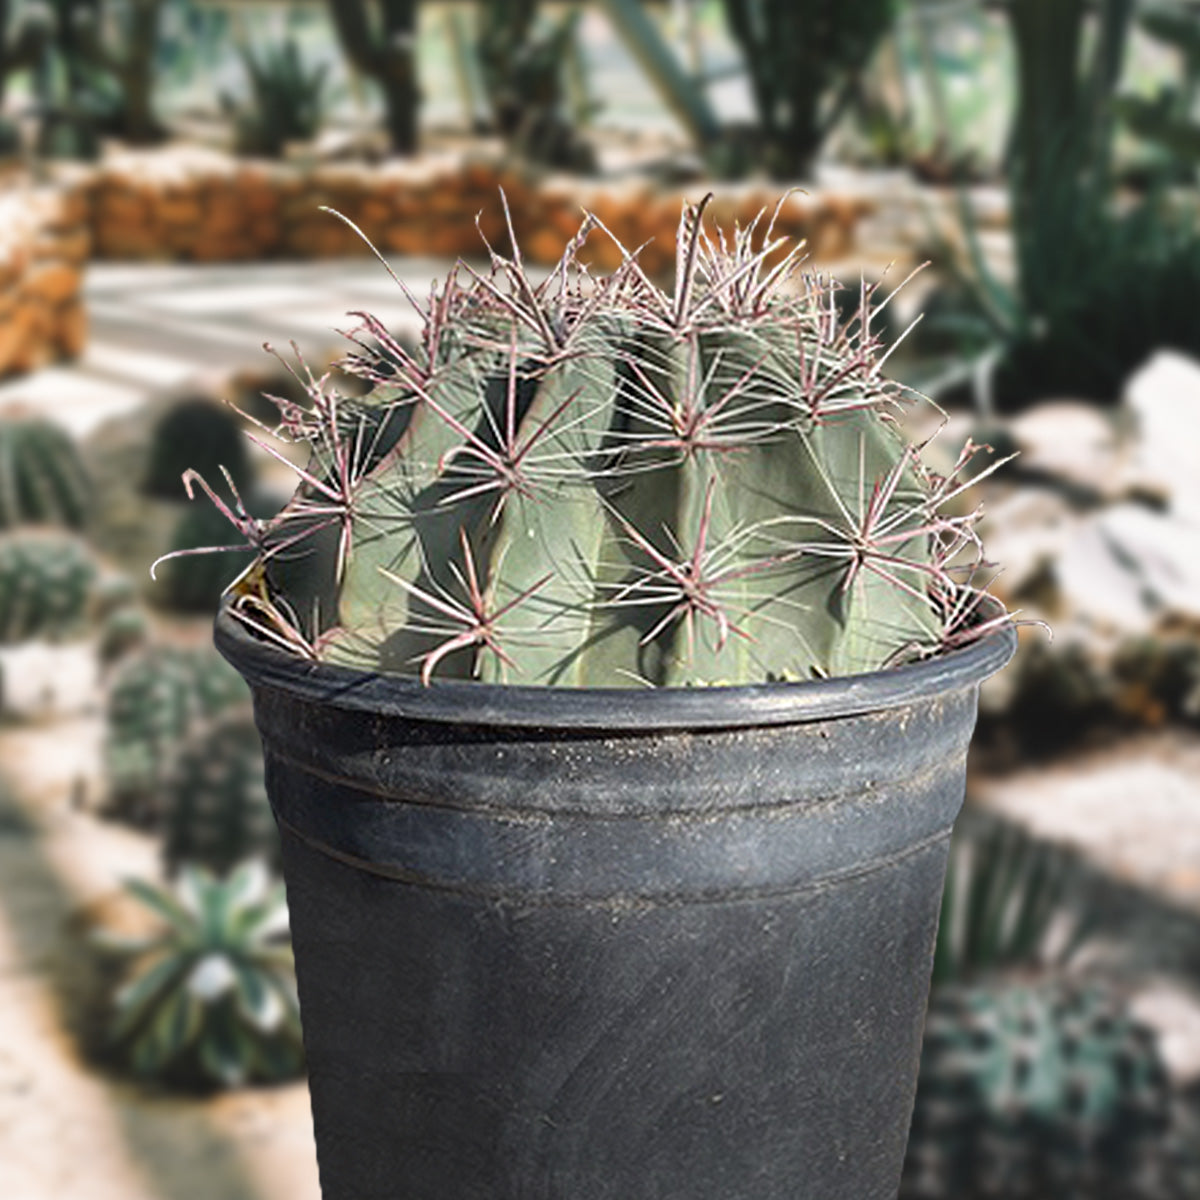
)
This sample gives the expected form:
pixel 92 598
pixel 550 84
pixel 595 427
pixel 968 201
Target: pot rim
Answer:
pixel 610 709
pixel 461 701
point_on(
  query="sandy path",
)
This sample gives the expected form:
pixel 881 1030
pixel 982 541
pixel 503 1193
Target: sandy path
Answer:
pixel 67 1132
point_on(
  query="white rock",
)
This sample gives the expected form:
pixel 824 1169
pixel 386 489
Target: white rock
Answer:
pixel 1023 531
pixel 39 679
pixel 1162 404
pixel 1174 1014
pixel 1130 568
pixel 1073 441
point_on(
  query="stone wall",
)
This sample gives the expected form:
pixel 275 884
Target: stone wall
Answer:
pixel 191 204
pixel 45 240
pixel 205 207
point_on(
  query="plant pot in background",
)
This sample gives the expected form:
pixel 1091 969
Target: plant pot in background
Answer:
pixel 560 944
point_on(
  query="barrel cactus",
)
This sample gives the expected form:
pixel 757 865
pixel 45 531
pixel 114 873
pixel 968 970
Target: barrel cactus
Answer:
pixel 1035 1081
pixel 121 632
pixel 602 483
pixel 154 699
pixel 195 585
pixel 42 477
pixel 45 585
pixel 192 430
pixel 215 801
pixel 1030 1090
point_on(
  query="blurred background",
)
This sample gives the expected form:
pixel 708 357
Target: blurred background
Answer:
pixel 163 168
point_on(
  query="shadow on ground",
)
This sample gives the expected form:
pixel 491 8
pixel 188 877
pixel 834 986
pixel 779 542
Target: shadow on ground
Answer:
pixel 172 1141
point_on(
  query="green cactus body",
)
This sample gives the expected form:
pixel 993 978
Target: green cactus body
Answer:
pixel 600 484
pixel 154 699
pixel 45 584
pixel 1029 1091
pixel 42 477
pixel 217 811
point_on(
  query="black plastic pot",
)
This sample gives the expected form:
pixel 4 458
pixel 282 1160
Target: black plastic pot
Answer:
pixel 613 945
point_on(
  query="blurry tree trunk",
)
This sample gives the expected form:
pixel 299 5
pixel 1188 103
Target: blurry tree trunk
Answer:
pixel 1063 120
pixel 380 39
pixel 505 30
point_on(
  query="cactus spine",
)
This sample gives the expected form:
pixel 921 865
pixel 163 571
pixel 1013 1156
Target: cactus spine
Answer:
pixel 193 430
pixel 196 586
pixel 604 484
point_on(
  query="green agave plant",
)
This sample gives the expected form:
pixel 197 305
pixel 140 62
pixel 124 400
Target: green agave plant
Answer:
pixel 288 99
pixel 211 998
pixel 603 483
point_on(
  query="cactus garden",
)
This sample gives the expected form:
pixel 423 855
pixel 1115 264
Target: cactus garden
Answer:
pixel 716 348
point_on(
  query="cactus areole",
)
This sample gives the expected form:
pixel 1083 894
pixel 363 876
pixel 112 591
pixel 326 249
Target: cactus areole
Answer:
pixel 615 664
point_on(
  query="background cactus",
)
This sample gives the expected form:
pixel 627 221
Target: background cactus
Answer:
pixel 1034 1081
pixel 1031 1090
pixel 194 432
pixel 195 584
pixel 154 699
pixel 211 999
pixel 121 631
pixel 45 585
pixel 605 484
pixel 216 808
pixel 42 477
pixel 122 621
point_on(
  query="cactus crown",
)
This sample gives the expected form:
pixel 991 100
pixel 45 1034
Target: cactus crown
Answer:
pixel 599 482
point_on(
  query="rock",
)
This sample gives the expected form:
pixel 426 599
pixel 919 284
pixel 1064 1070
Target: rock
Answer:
pixel 39 679
pixel 1027 531
pixel 55 283
pixel 1075 442
pixel 71 329
pixel 1132 570
pixel 1162 406
pixel 26 344
pixel 180 210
